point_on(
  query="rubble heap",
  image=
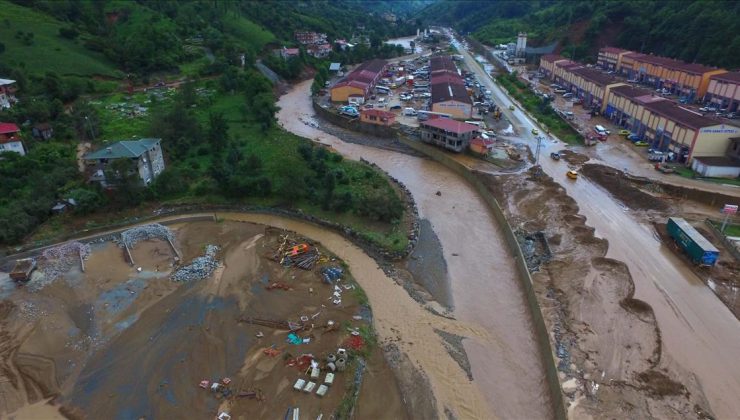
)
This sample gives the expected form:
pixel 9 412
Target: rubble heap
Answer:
pixel 199 268
pixel 56 261
pixel 142 233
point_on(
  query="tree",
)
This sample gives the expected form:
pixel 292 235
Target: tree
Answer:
pixel 218 131
pixel 264 110
pixel 86 200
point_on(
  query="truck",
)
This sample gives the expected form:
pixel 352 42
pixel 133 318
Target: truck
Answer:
pixel 22 270
pixel 699 250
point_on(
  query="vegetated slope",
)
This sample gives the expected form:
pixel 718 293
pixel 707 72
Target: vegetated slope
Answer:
pixel 32 41
pixel 706 32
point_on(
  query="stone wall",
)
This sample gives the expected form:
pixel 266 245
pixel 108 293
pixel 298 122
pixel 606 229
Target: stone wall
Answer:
pixel 354 123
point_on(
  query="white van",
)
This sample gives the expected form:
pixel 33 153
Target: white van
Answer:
pixel 480 124
pixel 409 112
pixel 601 130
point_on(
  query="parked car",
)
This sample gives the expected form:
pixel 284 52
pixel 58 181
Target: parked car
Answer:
pixel 555 156
pixel 624 132
pixel 512 107
pixel 395 107
pixel 633 137
pixel 641 143
pixel 572 174
pixel 567 95
pixel 535 131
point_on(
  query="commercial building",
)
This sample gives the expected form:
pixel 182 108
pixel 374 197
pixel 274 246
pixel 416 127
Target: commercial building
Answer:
pixel 724 91
pixel 450 134
pixel 667 126
pixel 449 95
pixel 590 85
pixel 145 154
pixel 547 64
pixel 377 117
pixel 562 68
pixel 685 79
pixel 610 58
pixel 359 82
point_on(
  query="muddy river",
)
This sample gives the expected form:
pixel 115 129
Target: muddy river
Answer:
pixel 507 369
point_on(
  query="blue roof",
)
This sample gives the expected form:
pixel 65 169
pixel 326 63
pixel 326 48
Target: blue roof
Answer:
pixel 335 66
pixel 123 149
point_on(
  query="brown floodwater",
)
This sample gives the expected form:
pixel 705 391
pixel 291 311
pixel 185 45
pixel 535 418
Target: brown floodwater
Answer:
pixel 506 364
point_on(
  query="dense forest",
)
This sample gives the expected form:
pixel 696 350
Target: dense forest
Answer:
pixel 706 31
pixel 89 69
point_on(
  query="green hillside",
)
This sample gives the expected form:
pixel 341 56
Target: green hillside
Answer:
pixel 32 41
pixel 705 31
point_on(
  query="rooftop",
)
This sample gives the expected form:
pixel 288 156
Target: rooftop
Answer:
pixel 446 78
pixel 335 66
pixel 123 149
pixel 595 76
pixel 551 58
pixel 450 126
pixel 630 92
pixel 4 82
pixel 671 63
pixel 613 50
pixel 442 63
pixel 480 141
pixel 378 113
pixel 449 91
pixel 7 128
pixel 729 77
pixel 719 161
pixel 682 116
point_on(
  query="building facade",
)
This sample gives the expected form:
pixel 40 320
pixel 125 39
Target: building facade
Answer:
pixel 610 58
pixel 449 134
pixel 7 93
pixel 359 81
pixel 377 117
pixel 724 91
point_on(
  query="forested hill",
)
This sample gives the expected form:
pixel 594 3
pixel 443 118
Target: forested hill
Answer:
pixel 706 31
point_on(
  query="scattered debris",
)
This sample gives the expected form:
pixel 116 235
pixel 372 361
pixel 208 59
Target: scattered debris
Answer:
pixel 137 234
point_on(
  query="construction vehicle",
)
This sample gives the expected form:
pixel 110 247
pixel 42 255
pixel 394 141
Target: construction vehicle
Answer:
pixel 297 250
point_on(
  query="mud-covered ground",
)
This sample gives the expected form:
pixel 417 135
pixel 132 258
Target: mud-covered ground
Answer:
pixel 607 344
pixel 118 342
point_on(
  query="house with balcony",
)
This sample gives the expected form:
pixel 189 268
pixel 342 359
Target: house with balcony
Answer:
pixel 450 134
pixel 10 139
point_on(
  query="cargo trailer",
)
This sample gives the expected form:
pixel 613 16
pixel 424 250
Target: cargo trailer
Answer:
pixel 696 246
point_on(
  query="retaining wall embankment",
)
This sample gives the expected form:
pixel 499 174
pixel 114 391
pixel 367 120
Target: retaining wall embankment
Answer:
pixel 355 124
pixel 538 321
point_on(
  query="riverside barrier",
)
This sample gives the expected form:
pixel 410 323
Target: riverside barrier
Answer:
pixel 541 332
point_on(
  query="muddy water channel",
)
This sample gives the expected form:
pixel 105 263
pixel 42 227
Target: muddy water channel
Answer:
pixel 506 366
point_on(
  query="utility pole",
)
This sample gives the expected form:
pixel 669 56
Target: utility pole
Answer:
pixel 537 155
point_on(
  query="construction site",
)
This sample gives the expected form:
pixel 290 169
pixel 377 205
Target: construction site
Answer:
pixel 195 319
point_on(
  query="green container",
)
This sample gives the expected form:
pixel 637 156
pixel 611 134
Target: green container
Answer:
pixel 696 246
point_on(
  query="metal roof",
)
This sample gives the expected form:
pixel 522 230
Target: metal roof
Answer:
pixel 448 91
pixel 335 66
pixel 4 82
pixel 123 149
pixel 694 234
pixel 450 126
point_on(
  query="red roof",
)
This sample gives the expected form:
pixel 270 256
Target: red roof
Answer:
pixel 451 126
pixel 612 50
pixel 447 78
pixel 378 113
pixel 729 77
pixel 480 141
pixel 551 58
pixel 8 128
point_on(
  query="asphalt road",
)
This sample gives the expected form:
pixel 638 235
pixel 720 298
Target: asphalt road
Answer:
pixel 699 333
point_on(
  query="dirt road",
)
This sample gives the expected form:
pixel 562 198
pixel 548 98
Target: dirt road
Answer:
pixel 507 370
pixel 698 332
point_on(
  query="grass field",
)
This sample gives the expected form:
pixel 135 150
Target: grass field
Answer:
pixel 248 33
pixel 46 51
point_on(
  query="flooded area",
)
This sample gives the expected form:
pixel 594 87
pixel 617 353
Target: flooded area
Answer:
pixel 508 370
pixel 698 333
pixel 125 341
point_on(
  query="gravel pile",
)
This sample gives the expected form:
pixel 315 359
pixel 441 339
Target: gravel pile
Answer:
pixel 57 261
pixel 142 233
pixel 199 268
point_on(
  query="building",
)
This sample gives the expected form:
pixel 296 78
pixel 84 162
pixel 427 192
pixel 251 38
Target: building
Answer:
pixel 310 38
pixel 287 53
pixel 377 117
pixel 10 140
pixel 7 93
pixel 675 76
pixel 521 45
pixel 444 62
pixel 590 85
pixel 667 126
pixel 359 82
pixel 481 146
pixel 445 77
pixel 452 99
pixel 335 67
pixel 450 134
pixel 724 91
pixel 146 154
pixel 561 69
pixel 42 131
pixel 716 167
pixel 547 64
pixel 319 50
pixel 610 58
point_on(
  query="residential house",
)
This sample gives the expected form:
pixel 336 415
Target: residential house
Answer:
pixel 7 93
pixel 310 38
pixel 42 131
pixel 450 134
pixel 335 67
pixel 319 50
pixel 146 155
pixel 343 44
pixel 359 82
pixel 287 53
pixel 481 146
pixel 10 140
pixel 377 117
pixel 724 91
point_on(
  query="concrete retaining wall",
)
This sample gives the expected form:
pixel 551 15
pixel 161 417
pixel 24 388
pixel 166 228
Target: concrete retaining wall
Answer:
pixel 355 124
pixel 709 198
pixel 538 321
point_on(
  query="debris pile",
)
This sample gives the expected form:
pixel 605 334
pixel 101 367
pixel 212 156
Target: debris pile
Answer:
pixel 294 254
pixel 199 268
pixel 331 274
pixel 145 232
pixel 56 261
